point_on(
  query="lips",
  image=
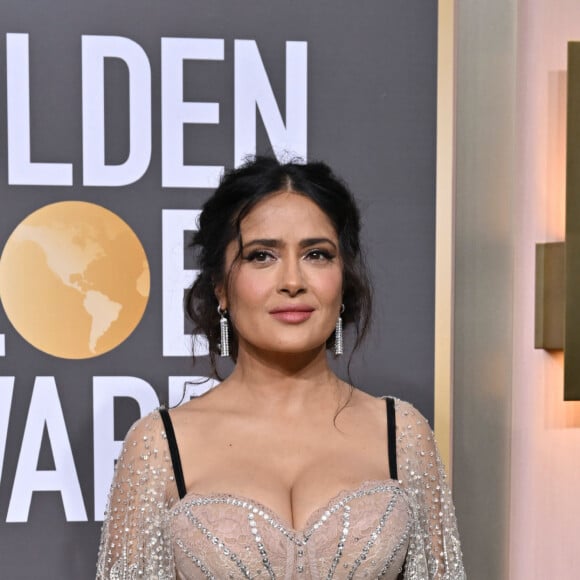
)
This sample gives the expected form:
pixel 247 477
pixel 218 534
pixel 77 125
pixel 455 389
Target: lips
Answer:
pixel 292 314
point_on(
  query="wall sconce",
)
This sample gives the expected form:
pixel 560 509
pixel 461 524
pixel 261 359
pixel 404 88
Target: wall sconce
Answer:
pixel 558 264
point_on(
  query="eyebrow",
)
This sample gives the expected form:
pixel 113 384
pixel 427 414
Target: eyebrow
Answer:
pixel 273 243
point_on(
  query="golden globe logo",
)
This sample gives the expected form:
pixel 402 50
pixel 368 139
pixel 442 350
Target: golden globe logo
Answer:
pixel 74 279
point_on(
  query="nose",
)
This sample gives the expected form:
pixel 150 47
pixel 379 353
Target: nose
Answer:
pixel 291 280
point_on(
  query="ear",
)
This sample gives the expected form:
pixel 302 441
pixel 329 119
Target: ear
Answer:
pixel 220 296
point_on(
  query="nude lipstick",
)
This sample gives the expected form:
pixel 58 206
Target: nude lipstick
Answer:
pixel 294 314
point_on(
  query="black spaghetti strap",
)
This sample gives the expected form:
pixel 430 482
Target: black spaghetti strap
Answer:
pixel 392 437
pixel 174 451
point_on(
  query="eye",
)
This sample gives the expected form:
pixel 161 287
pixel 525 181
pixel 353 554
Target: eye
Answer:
pixel 260 256
pixel 318 255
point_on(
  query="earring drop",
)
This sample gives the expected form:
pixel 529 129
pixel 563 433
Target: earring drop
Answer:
pixel 338 340
pixel 224 345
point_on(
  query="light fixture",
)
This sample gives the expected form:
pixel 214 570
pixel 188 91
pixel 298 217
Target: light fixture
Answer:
pixel 558 264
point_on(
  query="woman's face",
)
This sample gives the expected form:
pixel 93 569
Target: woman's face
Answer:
pixel 285 293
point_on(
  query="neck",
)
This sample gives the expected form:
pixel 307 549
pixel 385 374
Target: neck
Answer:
pixel 284 383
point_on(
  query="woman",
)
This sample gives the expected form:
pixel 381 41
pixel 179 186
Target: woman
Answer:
pixel 283 470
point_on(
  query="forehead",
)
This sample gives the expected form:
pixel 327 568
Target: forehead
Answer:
pixel 286 214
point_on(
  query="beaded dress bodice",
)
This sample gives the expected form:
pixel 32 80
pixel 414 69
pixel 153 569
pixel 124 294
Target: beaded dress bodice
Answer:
pixel 362 533
pixel 369 532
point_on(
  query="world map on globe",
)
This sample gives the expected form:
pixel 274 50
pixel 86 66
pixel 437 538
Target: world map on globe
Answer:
pixel 74 279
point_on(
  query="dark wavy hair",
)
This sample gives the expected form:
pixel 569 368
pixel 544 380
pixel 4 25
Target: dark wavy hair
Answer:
pixel 219 224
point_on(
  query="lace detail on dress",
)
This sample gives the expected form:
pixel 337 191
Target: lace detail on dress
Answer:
pixel 239 538
pixel 135 540
pixel 434 550
pixel 369 532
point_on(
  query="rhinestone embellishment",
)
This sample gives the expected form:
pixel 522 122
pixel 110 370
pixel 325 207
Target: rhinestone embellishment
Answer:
pixel 257 517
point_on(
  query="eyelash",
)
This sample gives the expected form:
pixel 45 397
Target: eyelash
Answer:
pixel 253 256
pixel 257 254
pixel 325 254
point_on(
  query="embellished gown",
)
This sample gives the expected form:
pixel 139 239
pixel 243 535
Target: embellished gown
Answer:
pixel 403 526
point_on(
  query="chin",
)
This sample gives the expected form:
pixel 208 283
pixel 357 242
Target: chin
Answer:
pixel 289 348
pixel 297 349
pixel 284 343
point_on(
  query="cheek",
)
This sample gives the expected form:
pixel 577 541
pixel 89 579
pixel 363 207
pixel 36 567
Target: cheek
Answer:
pixel 330 286
pixel 248 290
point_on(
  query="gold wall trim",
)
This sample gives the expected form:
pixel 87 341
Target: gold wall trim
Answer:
pixel 444 229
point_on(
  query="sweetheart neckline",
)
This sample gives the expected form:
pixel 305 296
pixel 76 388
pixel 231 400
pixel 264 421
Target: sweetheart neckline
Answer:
pixel 273 515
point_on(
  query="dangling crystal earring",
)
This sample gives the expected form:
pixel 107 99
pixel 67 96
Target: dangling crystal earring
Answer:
pixel 224 345
pixel 338 345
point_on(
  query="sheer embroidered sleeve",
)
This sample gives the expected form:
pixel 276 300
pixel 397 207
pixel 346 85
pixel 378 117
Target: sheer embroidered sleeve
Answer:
pixel 434 548
pixel 135 540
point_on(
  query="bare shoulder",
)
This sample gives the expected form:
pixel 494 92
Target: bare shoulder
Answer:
pixel 361 396
pixel 367 410
pixel 199 416
pixel 211 400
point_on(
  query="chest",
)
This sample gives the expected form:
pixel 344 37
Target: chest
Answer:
pixel 292 475
pixel 359 533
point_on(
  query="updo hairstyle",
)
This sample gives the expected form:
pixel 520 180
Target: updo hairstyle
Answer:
pixel 239 191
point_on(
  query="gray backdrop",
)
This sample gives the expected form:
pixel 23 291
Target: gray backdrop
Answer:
pixel 369 79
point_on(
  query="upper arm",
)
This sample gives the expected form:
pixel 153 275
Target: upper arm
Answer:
pixel 142 491
pixel 436 542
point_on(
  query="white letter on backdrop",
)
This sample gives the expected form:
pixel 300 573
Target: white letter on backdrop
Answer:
pixel 252 90
pixel 6 390
pixel 95 50
pixel 175 113
pixel 21 170
pixel 45 410
pixel 175 280
pixel 107 448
